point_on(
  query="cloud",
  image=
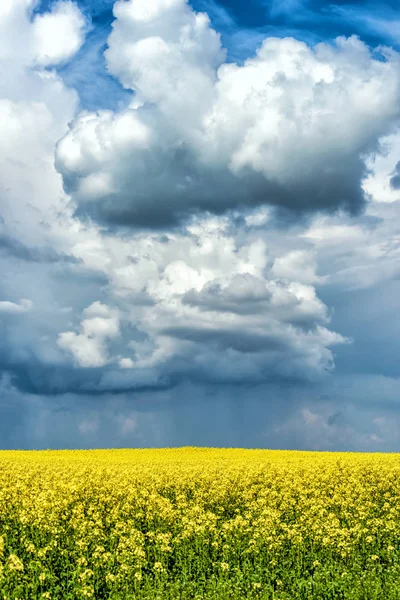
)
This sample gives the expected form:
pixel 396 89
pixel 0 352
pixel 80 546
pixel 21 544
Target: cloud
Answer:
pixel 11 308
pixel 395 178
pixel 188 319
pixel 211 302
pixel 58 34
pixel 291 127
pixel 89 346
pixel 50 38
pixel 360 254
pixel 17 249
pixel 35 107
pixel 200 305
pixel 297 265
pixel 246 294
pixel 35 225
pixel 380 185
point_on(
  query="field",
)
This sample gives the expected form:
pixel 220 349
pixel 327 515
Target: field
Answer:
pixel 199 523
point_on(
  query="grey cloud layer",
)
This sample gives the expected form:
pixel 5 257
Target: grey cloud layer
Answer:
pixel 331 417
pixel 196 325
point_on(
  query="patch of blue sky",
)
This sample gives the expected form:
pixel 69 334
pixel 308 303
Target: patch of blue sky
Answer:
pixel 98 10
pixel 312 21
pixel 87 71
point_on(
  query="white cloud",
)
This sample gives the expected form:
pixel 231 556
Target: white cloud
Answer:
pixel 89 348
pixel 97 309
pixel 357 254
pixel 14 308
pixel 203 134
pixel 206 306
pixel 382 166
pixel 166 52
pixel 126 363
pixel 35 108
pixel 298 265
pixel 58 34
pixel 49 38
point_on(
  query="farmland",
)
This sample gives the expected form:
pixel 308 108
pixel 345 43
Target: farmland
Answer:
pixel 199 523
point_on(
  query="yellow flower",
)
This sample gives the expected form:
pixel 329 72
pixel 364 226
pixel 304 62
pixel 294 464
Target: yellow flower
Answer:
pixel 14 563
pixel 88 592
pixel 86 574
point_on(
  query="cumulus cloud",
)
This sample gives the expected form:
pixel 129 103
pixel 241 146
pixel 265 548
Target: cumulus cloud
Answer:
pixel 58 34
pixel 35 108
pixel 35 225
pixel 89 346
pixel 190 319
pixel 291 127
pixel 50 38
pixel 202 305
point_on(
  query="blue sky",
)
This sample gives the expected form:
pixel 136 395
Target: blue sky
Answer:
pixel 199 239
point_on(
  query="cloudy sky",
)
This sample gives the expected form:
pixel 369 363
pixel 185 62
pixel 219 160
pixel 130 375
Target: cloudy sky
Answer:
pixel 200 224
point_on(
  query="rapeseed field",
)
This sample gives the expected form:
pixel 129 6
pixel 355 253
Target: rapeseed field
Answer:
pixel 199 523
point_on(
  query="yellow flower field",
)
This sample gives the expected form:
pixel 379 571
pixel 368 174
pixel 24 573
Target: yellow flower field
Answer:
pixel 199 523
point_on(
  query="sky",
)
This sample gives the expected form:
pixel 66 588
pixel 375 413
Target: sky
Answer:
pixel 200 224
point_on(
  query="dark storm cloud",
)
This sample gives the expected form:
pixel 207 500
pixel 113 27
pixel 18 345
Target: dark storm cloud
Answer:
pixel 244 295
pixel 37 378
pixel 165 194
pixel 242 341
